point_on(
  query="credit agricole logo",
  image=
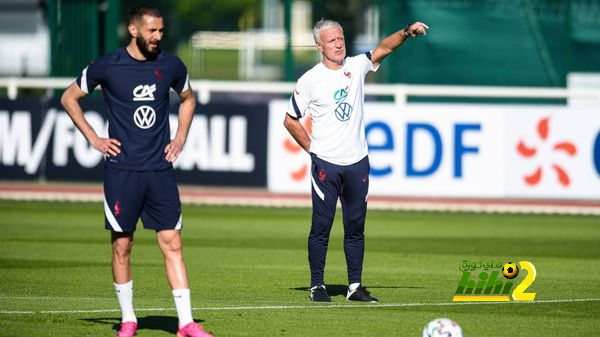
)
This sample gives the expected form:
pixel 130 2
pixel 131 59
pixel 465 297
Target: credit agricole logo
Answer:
pixel 488 285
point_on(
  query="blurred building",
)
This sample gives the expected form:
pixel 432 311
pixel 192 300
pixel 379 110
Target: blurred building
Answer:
pixel 24 39
pixel 259 51
pixel 471 42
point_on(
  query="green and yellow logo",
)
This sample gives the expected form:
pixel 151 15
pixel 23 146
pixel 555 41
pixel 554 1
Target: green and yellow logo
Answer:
pixel 489 287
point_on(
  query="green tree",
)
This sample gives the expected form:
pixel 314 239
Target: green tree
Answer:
pixel 184 17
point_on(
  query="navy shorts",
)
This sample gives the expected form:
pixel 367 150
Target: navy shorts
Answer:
pixel 151 195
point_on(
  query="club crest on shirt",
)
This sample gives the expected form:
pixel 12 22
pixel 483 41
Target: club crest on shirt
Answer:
pixel 158 74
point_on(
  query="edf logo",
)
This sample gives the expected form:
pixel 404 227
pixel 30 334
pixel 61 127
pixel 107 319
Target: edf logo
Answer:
pixel 460 149
pixel 597 154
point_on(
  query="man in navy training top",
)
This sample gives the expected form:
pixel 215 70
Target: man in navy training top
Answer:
pixel 139 180
pixel 332 95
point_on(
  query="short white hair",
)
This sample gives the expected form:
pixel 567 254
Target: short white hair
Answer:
pixel 322 26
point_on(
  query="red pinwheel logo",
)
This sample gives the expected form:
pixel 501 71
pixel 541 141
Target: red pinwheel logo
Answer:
pixel 530 152
pixel 118 209
pixel 290 146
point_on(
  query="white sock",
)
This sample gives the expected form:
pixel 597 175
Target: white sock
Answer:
pixel 183 306
pixel 125 296
pixel 352 288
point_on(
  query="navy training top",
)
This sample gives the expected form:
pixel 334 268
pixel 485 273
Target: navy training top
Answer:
pixel 137 99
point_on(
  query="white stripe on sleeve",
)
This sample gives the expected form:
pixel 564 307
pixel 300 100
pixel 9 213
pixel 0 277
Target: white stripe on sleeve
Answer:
pixel 186 86
pixel 84 85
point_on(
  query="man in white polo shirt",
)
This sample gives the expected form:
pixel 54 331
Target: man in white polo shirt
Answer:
pixel 332 94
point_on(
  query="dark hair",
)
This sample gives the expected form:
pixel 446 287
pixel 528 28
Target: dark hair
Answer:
pixel 138 13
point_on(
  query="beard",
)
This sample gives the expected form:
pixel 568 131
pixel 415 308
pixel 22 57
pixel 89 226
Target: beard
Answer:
pixel 144 48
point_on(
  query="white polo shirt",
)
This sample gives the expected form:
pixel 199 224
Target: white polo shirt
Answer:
pixel 334 100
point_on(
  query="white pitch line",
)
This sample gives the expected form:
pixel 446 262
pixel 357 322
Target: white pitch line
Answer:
pixel 36 298
pixel 315 306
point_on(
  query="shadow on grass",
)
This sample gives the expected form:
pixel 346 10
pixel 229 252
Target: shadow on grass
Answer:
pixel 164 323
pixel 341 289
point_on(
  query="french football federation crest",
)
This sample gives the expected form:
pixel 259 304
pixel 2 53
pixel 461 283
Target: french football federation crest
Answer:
pixel 322 175
pixel 117 209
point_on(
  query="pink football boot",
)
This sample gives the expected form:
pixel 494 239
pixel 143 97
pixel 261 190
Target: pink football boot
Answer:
pixel 192 330
pixel 128 329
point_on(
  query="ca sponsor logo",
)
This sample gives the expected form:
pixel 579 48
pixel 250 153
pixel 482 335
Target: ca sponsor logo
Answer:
pixel 144 92
pixel 340 94
pixel 144 117
pixel 343 112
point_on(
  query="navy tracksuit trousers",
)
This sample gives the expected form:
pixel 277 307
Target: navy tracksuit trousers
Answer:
pixel 351 185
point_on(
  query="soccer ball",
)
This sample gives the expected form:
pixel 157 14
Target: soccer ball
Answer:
pixel 442 327
pixel 510 270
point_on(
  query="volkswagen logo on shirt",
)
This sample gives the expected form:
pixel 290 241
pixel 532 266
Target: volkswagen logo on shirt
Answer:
pixel 144 117
pixel 343 112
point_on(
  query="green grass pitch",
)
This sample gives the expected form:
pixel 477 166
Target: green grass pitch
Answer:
pixel 249 273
